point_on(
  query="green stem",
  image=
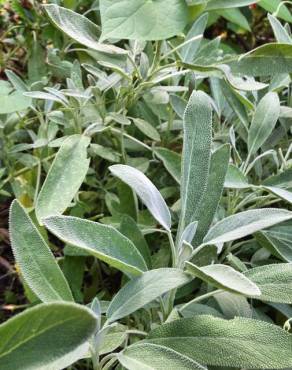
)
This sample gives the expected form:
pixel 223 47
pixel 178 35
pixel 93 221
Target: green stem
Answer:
pixel 201 298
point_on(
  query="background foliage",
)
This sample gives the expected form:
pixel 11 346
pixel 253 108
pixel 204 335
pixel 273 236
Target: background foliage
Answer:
pixel 148 147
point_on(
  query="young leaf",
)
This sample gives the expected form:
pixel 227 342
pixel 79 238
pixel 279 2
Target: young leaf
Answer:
pixel 245 223
pixel 207 209
pixel 144 289
pixel 260 345
pixel 274 281
pixel 225 4
pixel 188 233
pixel 42 337
pixel 264 121
pixel 37 263
pixel 147 129
pixel 280 32
pixel 279 192
pixel 266 60
pixel 235 179
pixel 224 277
pixel 171 161
pixel 147 356
pixel 278 240
pixel 64 178
pixel 188 52
pixel 79 28
pixel 147 192
pixel 196 155
pixel 142 19
pixel 102 241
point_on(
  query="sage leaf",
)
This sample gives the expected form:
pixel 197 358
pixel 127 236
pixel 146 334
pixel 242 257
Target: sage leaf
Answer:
pixel 235 179
pixel 245 223
pixel 64 178
pixel 171 161
pixel 208 206
pixel 42 337
pixel 144 289
pixel 196 155
pixel 35 259
pixel 102 241
pixel 260 345
pixel 266 60
pixel 79 28
pixel 224 277
pixel 147 129
pixel 280 32
pixel 280 193
pixel 274 281
pixel 278 240
pixel 147 356
pixel 225 4
pixel 188 51
pixel 264 121
pixel 142 19
pixel 146 191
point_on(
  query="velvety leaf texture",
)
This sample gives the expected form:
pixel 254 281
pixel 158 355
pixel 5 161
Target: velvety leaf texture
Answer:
pixel 245 223
pixel 211 198
pixel 224 277
pixel 196 155
pixel 142 19
pixel 149 356
pixel 45 337
pixel 36 261
pixel 144 289
pixel 102 241
pixel 146 191
pixel 274 281
pixel 64 178
pixel 239 343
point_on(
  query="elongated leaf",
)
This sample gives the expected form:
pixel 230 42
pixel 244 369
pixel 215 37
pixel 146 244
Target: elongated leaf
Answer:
pixel 171 161
pixel 101 241
pixel 278 240
pixel 235 179
pixel 147 192
pixel 147 129
pixel 64 177
pixel 281 193
pixel 264 121
pixel 266 60
pixel 280 32
pixel 260 345
pixel 144 289
pixel 245 223
pixel 274 281
pixel 196 155
pixel 211 199
pixel 225 4
pixel 224 277
pixel 142 19
pixel 146 356
pixel 79 28
pixel 188 52
pixel 37 263
pixel 272 6
pixel 45 337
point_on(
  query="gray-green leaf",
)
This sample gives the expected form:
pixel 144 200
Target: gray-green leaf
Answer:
pixel 240 343
pixel 64 178
pixel 147 192
pixel 171 161
pixel 144 289
pixel 142 19
pixel 224 277
pixel 274 281
pixel 147 356
pixel 46 337
pixel 79 28
pixel 196 155
pixel 102 241
pixel 37 263
pixel 245 223
pixel 264 121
